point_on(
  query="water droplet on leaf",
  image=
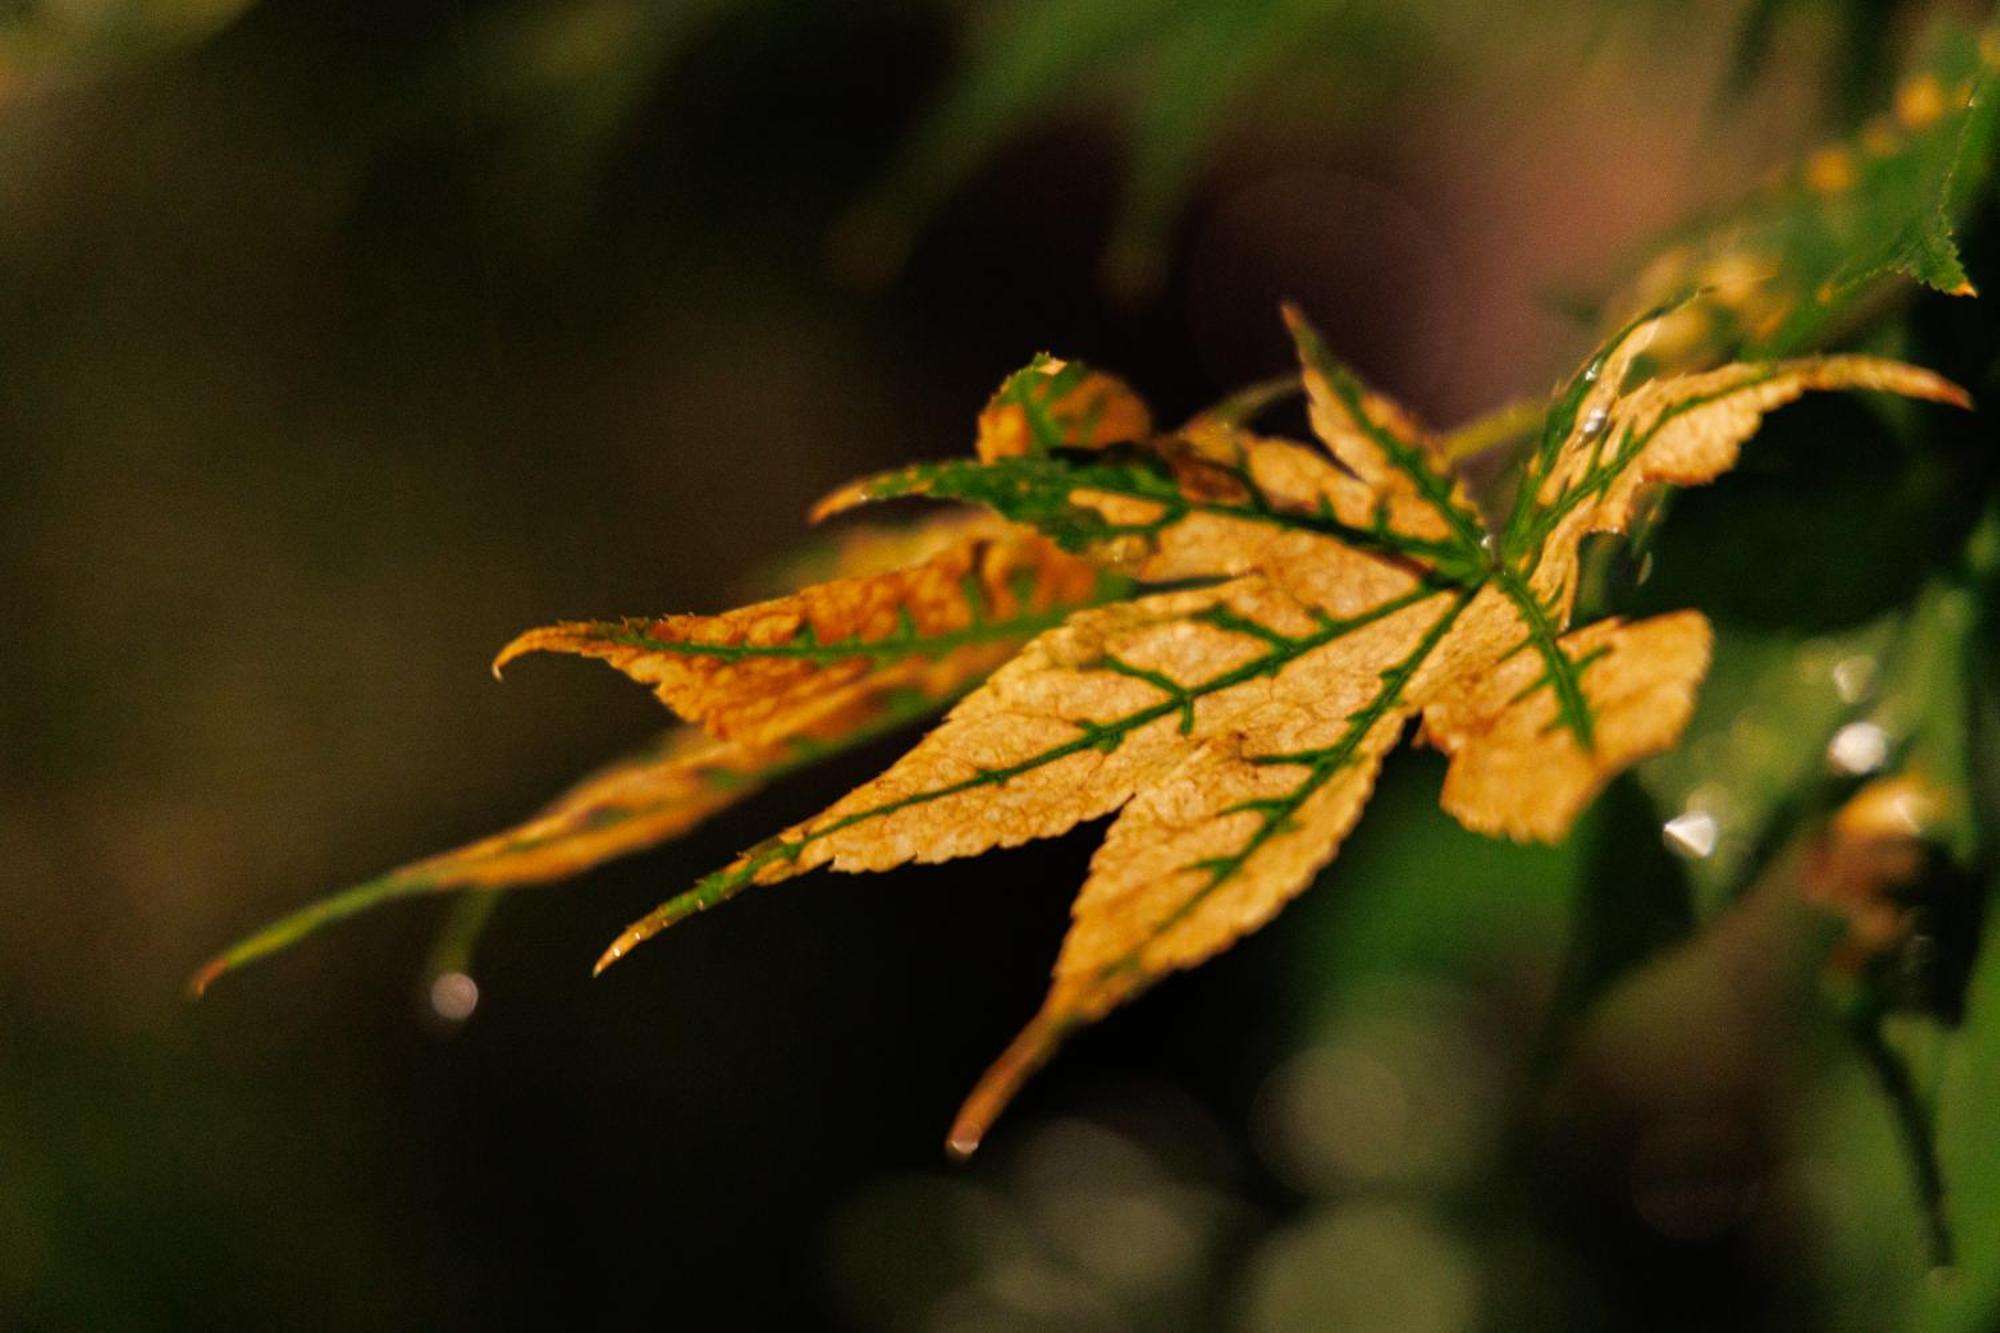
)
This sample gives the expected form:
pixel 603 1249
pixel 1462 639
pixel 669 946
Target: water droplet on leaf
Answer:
pixel 1858 747
pixel 454 996
pixel 1854 677
pixel 1691 835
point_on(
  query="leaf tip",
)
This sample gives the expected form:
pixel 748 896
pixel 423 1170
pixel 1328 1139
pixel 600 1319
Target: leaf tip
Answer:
pixel 998 1086
pixel 520 646
pixel 205 976
pixel 1930 385
pixel 1314 356
pixel 630 939
pixel 642 930
pixel 719 887
pixel 850 496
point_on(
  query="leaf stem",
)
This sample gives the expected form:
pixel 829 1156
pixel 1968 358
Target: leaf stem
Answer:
pixel 1915 1125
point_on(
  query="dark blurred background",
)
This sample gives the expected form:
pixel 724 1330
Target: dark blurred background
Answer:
pixel 342 340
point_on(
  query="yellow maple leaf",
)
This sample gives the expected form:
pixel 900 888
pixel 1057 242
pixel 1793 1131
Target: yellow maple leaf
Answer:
pixel 640 801
pixel 1051 404
pixel 802 664
pixel 1235 729
pixel 921 614
pixel 1234 725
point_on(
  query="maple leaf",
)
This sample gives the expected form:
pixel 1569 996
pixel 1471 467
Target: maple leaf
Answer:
pixel 1810 250
pixel 920 616
pixel 806 664
pixel 1235 728
pixel 1053 404
pixel 646 798
pixel 1326 597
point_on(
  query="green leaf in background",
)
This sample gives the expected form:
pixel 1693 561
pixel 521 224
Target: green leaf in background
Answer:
pixel 1772 704
pixel 1176 73
pixel 1969 1085
pixel 1798 264
pixel 1968 1298
pixel 1418 895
